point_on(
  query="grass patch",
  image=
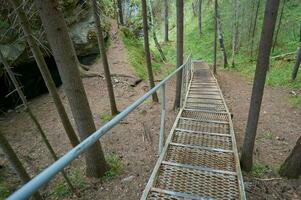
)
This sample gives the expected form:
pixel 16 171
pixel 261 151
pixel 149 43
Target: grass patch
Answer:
pixel 258 170
pixel 136 56
pixel 115 165
pixel 294 101
pixel 62 190
pixel 4 191
pixel 105 117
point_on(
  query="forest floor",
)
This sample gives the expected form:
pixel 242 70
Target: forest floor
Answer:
pixel 133 143
pixel 278 130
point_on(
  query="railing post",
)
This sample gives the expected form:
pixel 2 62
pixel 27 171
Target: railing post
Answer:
pixel 162 119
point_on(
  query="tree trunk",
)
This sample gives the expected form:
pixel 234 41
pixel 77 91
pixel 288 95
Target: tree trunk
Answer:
pixel 251 19
pixel 297 64
pixel 221 40
pixel 166 20
pixel 147 51
pixel 200 16
pixel 254 27
pixel 235 32
pixel 68 64
pixel 105 63
pixel 152 24
pixel 279 25
pixel 215 36
pixel 266 40
pixel 291 168
pixel 120 12
pixel 45 73
pixel 16 163
pixel 180 50
pixel 32 116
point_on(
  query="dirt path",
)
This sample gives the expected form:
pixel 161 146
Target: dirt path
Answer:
pixel 278 130
pixel 134 141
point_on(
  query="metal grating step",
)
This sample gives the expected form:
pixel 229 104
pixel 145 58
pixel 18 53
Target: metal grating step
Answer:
pixel 202 139
pixel 197 182
pixel 208 101
pixel 203 106
pixel 201 157
pixel 203 126
pixel 205 115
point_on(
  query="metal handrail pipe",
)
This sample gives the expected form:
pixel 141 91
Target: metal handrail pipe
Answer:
pixel 47 174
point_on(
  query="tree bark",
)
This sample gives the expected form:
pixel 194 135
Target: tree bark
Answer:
pixel 166 21
pixel 291 168
pixel 147 51
pixel 235 32
pixel 180 50
pixel 200 16
pixel 16 163
pixel 152 24
pixel 221 40
pixel 45 73
pixel 266 40
pixel 120 12
pixel 279 25
pixel 105 63
pixel 68 64
pixel 297 63
pixel 32 116
pixel 215 36
pixel 254 27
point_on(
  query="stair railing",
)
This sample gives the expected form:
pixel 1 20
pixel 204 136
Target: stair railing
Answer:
pixel 47 174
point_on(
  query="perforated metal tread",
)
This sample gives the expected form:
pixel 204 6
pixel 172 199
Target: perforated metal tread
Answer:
pixel 200 159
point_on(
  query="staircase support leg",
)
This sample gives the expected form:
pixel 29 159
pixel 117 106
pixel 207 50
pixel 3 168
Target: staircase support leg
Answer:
pixel 162 119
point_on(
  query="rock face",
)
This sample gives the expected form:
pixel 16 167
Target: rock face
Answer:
pixel 84 37
pixel 82 33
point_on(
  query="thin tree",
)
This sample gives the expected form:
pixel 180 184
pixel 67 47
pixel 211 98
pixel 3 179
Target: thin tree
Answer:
pixel 297 63
pixel 279 25
pixel 180 50
pixel 166 21
pixel 266 40
pixel 45 72
pixel 291 168
pixel 147 51
pixel 200 16
pixel 120 12
pixel 215 37
pixel 221 39
pixel 68 64
pixel 153 28
pixel 235 32
pixel 105 63
pixel 251 18
pixel 16 163
pixel 32 116
pixel 254 27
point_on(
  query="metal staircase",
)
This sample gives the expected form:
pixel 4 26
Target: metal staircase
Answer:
pixel 199 159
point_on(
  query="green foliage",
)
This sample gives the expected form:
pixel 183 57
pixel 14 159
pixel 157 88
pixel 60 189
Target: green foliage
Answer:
pixel 258 170
pixel 4 191
pixel 77 179
pixel 136 56
pixel 295 101
pixel 105 117
pixel 115 165
pixel 4 24
pixel 61 190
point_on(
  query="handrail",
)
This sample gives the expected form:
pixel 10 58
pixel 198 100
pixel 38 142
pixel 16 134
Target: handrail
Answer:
pixel 47 174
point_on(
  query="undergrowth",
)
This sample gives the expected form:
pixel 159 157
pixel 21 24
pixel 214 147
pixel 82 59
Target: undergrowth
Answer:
pixel 115 166
pixel 136 55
